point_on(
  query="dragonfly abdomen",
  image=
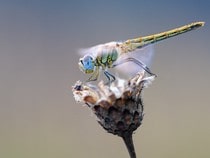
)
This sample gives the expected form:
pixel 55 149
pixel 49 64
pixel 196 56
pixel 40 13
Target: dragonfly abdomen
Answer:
pixel 140 42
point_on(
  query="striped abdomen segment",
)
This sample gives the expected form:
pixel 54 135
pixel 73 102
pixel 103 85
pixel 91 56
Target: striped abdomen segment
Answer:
pixel 146 40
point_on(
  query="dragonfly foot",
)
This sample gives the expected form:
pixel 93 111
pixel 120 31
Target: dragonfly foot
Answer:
pixel 111 78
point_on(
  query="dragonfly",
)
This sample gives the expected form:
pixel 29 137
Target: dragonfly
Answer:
pixel 113 54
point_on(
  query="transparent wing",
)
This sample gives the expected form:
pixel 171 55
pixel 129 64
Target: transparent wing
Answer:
pixel 144 55
pixel 98 49
pixel 87 51
pixel 82 51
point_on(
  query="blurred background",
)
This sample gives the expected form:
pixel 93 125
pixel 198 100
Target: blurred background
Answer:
pixel 39 41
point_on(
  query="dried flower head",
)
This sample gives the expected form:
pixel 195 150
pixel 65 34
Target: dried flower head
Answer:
pixel 118 106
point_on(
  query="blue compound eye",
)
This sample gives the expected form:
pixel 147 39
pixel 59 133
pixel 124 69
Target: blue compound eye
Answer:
pixel 88 63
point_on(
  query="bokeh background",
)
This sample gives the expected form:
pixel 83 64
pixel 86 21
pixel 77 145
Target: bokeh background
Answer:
pixel 39 117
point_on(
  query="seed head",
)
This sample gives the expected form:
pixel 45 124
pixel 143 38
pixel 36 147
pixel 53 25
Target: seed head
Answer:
pixel 118 106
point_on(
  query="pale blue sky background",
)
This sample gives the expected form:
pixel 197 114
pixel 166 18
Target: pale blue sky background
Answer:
pixel 38 65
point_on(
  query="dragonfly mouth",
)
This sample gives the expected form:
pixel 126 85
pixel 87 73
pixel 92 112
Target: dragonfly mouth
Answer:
pixel 88 71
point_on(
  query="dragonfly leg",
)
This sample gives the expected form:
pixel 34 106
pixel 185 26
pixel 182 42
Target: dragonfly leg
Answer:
pixel 92 78
pixel 142 65
pixel 95 75
pixel 109 76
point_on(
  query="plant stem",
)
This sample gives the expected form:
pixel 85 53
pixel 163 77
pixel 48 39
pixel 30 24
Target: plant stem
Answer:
pixel 128 140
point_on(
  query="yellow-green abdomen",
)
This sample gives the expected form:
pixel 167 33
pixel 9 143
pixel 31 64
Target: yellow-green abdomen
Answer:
pixel 146 40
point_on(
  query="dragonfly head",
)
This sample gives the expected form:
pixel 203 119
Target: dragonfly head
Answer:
pixel 86 64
